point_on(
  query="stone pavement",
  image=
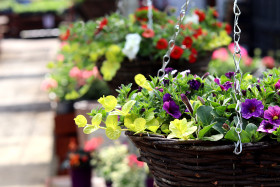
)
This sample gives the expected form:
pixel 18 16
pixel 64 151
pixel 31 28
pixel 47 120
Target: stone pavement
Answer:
pixel 26 120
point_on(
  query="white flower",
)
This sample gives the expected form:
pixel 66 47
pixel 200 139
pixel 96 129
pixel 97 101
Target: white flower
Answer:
pixel 132 45
pixel 191 19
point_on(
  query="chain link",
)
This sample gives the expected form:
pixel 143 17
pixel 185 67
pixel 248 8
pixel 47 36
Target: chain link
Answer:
pixel 150 14
pixel 237 77
pixel 166 57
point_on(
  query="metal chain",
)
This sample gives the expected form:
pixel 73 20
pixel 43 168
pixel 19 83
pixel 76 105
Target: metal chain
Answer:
pixel 171 44
pixel 150 14
pixel 237 80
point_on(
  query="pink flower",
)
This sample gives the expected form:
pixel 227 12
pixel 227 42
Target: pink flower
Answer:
pixel 268 61
pixel 63 43
pixel 133 161
pixel 87 74
pixel 220 54
pixel 75 72
pixel 244 52
pixel 60 57
pixel 48 84
pixel 96 73
pixel 248 61
pixel 93 144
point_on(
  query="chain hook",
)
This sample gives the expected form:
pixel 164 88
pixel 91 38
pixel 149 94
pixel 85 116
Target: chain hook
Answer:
pixel 171 44
pixel 237 79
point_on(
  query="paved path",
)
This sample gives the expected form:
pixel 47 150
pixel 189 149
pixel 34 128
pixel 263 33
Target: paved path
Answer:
pixel 26 121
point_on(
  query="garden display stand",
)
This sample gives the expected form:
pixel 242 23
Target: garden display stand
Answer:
pixel 205 163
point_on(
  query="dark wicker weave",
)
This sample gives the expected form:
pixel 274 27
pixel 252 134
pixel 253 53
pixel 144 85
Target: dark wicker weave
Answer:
pixel 205 163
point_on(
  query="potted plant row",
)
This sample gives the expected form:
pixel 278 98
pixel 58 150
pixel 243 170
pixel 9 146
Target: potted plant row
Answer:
pixel 122 47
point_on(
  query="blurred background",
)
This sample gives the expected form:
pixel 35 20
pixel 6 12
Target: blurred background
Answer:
pixel 45 47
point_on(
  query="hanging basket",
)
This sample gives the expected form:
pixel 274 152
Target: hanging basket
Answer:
pixel 205 163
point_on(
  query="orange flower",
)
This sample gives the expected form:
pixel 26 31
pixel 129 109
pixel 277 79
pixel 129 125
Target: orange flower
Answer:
pixel 65 36
pixel 74 159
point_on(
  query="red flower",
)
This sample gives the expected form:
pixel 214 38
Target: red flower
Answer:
pixel 187 42
pixel 102 24
pixel 144 26
pixel 193 56
pixel 228 28
pixel 200 14
pixel 219 24
pixel 65 36
pixel 148 33
pixel 162 44
pixel 133 161
pixel 198 33
pixel 215 13
pixel 176 52
pixel 170 21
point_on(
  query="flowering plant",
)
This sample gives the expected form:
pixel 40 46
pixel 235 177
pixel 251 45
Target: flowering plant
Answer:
pixel 72 76
pixel 113 39
pixel 81 158
pixel 222 57
pixel 123 169
pixel 185 106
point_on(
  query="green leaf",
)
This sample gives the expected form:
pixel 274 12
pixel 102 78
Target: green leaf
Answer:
pixel 128 121
pixel 165 128
pixel 181 128
pixel 140 124
pixel 90 129
pixel 112 121
pixel 109 102
pixel 214 137
pixel 127 106
pixel 113 132
pixel 219 124
pixel 80 120
pixel 204 114
pixel 153 125
pixel 96 120
pixel 149 116
pixel 220 110
pixel 232 135
pixel 231 106
pixel 251 129
pixel 203 131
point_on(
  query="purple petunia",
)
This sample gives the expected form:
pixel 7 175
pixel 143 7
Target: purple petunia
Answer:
pixel 229 74
pixel 170 106
pixel 267 127
pixel 194 84
pixel 277 85
pixel 224 86
pixel 168 70
pixel 272 114
pixel 252 108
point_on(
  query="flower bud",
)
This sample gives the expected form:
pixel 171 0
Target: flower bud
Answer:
pixel 201 100
pixel 226 127
pixel 244 92
pixel 187 102
pixel 259 88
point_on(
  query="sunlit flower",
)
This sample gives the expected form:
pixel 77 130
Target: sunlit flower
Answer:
pixel 272 114
pixel 60 58
pixel 267 127
pixel 93 144
pixel 75 72
pixel 252 108
pixel 132 45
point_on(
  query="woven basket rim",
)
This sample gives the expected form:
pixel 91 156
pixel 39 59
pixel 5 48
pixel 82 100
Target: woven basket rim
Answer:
pixel 162 140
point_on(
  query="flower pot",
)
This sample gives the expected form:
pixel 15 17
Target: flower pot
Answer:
pixel 63 107
pixel 149 181
pixel 108 183
pixel 204 163
pixel 81 177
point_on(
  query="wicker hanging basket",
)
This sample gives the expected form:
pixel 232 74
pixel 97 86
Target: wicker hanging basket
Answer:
pixel 205 163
